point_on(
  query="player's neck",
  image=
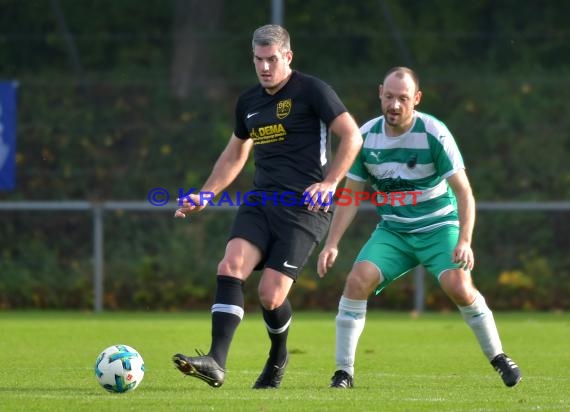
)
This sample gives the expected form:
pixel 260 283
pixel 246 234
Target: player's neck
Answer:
pixel 397 131
pixel 279 85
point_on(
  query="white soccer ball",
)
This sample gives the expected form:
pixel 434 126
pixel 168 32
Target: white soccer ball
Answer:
pixel 119 369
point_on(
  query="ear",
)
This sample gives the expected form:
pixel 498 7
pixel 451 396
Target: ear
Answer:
pixel 417 97
pixel 380 91
pixel 289 56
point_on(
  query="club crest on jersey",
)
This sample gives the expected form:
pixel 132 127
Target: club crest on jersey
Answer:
pixel 284 108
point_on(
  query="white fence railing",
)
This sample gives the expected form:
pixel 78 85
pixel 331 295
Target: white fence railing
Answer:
pixel 98 209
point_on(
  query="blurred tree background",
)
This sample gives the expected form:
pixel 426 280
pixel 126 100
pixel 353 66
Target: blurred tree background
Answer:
pixel 119 97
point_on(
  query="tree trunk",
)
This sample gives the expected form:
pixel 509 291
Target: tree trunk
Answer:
pixel 193 21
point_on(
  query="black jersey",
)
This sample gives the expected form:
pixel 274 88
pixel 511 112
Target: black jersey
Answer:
pixel 290 132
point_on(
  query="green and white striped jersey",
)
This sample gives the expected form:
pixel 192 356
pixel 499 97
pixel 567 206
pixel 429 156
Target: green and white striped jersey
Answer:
pixel 409 174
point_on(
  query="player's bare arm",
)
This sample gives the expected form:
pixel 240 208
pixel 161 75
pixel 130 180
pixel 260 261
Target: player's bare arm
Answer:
pixel 466 210
pixel 227 168
pixel 347 130
pixel 343 217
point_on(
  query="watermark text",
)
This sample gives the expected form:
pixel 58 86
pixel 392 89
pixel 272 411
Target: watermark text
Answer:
pixel 342 197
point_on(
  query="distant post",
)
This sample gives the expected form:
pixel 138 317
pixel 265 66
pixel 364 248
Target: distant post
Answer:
pixel 420 292
pixel 98 259
pixel 277 12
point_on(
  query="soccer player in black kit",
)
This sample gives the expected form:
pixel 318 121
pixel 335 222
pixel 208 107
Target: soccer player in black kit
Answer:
pixel 287 119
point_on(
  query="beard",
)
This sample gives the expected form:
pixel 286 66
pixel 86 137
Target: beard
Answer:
pixel 392 119
pixel 399 122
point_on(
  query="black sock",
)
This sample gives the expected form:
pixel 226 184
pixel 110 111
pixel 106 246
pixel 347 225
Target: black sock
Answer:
pixel 227 313
pixel 277 322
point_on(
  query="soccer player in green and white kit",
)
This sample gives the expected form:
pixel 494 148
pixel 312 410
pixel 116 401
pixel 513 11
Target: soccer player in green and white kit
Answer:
pixel 406 152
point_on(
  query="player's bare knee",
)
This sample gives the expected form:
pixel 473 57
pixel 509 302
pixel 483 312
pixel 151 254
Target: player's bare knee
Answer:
pixel 462 294
pixel 467 295
pixel 270 301
pixel 228 267
pixel 358 286
pixel 362 280
pixel 457 284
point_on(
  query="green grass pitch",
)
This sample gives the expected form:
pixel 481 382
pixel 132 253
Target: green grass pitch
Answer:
pixel 429 363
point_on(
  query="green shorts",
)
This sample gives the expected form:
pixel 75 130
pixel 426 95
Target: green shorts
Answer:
pixel 395 253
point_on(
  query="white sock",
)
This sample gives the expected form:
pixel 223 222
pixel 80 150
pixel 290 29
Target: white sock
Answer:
pixel 349 326
pixel 480 319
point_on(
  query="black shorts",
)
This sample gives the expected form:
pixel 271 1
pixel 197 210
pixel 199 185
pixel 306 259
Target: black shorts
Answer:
pixel 286 235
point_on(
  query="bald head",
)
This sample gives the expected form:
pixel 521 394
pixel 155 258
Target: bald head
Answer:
pixel 401 72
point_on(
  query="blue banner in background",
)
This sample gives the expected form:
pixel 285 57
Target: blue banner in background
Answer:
pixel 8 134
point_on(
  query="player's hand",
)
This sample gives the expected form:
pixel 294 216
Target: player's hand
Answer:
pixel 463 254
pixel 188 204
pixel 327 257
pixel 319 196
